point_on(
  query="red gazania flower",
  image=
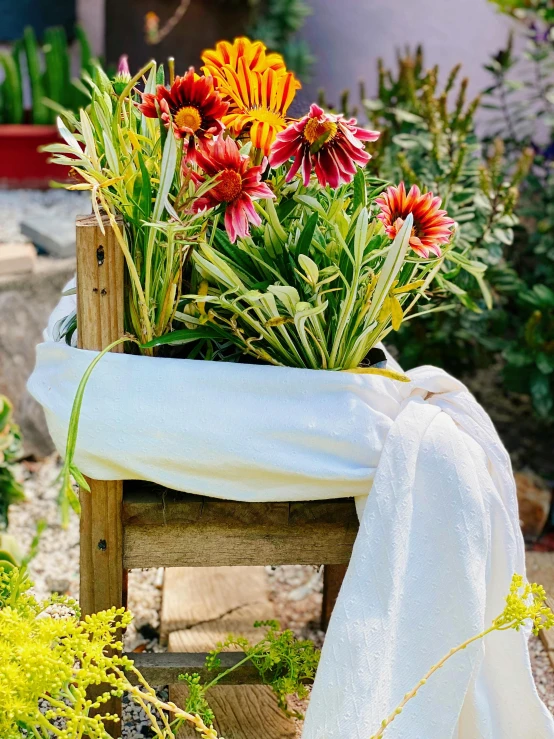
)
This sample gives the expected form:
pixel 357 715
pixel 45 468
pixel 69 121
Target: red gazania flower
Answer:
pixel 432 226
pixel 237 185
pixel 330 143
pixel 192 105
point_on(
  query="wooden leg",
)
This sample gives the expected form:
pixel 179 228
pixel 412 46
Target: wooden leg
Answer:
pixel 102 559
pixel 333 575
pixel 100 321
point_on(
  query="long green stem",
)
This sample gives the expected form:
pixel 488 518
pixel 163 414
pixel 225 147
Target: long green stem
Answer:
pixel 226 672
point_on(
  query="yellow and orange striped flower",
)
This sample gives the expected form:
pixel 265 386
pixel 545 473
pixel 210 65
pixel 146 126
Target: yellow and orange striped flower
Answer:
pixel 258 102
pixel 227 54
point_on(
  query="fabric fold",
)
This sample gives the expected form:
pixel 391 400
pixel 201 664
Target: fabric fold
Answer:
pixel 439 541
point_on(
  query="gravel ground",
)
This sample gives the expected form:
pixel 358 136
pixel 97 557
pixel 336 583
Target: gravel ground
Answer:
pixel 58 205
pixel 295 589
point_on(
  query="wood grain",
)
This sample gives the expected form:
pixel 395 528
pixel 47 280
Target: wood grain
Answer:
pixel 204 636
pixel 100 280
pixel 333 575
pixel 163 528
pixel 249 712
pixel 164 668
pixel 196 599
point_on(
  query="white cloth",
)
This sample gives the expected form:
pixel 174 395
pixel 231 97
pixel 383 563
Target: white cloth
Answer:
pixel 439 536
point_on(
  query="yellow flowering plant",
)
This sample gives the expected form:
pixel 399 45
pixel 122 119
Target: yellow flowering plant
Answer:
pixel 50 657
pixel 525 606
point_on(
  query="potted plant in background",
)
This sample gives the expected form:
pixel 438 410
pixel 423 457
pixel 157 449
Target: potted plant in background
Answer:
pixel 45 70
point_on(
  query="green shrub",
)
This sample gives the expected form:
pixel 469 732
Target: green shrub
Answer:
pixel 521 98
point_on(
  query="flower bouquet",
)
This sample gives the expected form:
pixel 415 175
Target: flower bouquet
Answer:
pixel 246 233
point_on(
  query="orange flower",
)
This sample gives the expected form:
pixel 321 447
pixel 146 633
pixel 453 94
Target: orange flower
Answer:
pixel 432 226
pixel 258 102
pixel 227 54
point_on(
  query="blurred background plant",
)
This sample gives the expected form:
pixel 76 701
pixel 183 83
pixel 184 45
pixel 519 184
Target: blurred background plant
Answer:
pixel 277 23
pixel 521 101
pixel 10 449
pixel 46 69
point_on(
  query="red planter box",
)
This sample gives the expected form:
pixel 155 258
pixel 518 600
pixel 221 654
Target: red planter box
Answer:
pixel 21 165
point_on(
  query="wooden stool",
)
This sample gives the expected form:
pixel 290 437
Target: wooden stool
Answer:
pixel 126 525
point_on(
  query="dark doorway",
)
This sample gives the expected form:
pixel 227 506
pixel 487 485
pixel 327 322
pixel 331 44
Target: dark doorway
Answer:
pixel 204 23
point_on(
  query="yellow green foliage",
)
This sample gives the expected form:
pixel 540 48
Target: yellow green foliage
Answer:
pixel 49 657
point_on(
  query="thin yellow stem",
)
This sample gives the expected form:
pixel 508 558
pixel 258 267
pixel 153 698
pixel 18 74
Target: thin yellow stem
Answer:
pixel 398 710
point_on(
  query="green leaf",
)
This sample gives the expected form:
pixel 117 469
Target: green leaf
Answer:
pixel 407 141
pixel 518 356
pixel 78 477
pixel 545 363
pixel 541 393
pixel 360 192
pixel 160 75
pixel 305 239
pixel 504 235
pixel 167 173
pixel 41 114
pixel 11 90
pixel 404 115
pixel 145 202
pixel 185 336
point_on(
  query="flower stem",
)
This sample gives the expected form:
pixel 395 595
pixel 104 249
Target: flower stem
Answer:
pixel 398 710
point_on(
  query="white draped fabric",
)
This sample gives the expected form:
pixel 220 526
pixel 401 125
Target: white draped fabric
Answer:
pixel 439 533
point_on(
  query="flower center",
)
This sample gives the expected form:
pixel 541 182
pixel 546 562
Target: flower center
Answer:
pixel 229 185
pixel 398 222
pixel 188 117
pixel 264 115
pixel 315 129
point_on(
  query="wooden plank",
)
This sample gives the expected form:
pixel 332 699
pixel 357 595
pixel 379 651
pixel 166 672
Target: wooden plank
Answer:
pixel 333 575
pixel 177 545
pixel 195 598
pixel 146 504
pixel 164 668
pixel 168 529
pixel 249 712
pixel 100 279
pixel 240 621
